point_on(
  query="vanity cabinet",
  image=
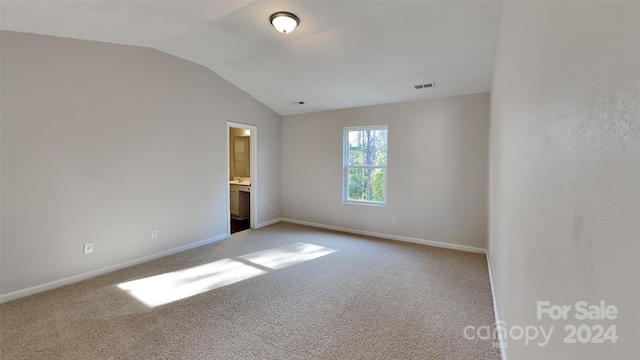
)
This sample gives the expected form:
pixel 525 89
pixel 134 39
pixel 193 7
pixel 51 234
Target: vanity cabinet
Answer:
pixel 240 201
pixel 234 200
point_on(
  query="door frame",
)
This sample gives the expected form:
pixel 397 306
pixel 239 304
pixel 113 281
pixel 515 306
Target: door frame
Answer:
pixel 253 169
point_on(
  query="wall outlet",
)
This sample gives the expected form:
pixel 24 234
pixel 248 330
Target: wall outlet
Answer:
pixel 88 248
pixel 270 207
pixel 154 234
pixel 394 219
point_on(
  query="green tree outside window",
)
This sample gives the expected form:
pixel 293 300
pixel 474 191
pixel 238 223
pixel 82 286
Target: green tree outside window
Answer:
pixel 365 164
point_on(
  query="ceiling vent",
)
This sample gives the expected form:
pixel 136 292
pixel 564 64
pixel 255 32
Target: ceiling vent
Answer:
pixel 298 103
pixel 424 86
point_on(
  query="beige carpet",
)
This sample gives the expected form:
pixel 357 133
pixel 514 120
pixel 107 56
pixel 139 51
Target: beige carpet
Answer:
pixel 368 299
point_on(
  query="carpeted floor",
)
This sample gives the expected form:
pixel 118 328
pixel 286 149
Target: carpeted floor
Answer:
pixel 327 296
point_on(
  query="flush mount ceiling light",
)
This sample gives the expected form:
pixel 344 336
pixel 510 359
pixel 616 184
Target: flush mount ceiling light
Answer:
pixel 284 21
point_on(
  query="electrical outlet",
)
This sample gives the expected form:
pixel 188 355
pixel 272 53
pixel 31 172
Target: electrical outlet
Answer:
pixel 394 219
pixel 88 248
pixel 154 234
pixel 271 208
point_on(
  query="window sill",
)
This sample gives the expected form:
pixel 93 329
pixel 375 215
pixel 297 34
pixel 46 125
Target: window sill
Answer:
pixel 367 203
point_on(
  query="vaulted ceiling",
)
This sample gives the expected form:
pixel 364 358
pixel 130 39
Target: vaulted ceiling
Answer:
pixel 344 53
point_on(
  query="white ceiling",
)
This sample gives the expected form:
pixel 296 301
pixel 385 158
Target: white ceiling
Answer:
pixel 344 53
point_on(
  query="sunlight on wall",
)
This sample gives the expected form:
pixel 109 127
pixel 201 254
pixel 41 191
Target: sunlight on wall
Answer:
pixel 169 287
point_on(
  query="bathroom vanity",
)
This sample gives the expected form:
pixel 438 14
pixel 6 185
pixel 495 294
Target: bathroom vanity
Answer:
pixel 240 197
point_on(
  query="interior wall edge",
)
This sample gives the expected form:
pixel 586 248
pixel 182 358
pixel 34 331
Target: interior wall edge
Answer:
pixel 501 340
pixel 268 223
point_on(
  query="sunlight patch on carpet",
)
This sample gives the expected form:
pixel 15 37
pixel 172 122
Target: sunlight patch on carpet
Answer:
pixel 177 285
pixel 288 255
pixel 166 288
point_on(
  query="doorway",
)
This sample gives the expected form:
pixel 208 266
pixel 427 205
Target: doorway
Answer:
pixel 242 177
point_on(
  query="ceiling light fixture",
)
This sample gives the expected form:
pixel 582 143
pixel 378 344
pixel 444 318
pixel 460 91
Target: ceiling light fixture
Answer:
pixel 284 21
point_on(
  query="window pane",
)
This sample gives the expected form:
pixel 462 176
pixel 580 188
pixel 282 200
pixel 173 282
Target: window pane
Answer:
pixel 367 147
pixel 366 184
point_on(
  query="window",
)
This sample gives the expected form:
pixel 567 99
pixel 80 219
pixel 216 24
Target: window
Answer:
pixel 364 178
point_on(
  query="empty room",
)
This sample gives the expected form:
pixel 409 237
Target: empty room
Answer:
pixel 320 179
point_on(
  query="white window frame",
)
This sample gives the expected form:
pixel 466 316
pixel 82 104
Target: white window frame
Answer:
pixel 346 166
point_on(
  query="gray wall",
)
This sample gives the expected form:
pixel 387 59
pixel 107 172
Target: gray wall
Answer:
pixel 103 143
pixel 437 169
pixel 565 169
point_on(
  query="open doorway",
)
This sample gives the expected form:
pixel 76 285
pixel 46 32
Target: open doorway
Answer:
pixel 242 184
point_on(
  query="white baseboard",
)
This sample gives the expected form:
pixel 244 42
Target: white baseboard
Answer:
pixel 503 354
pixel 389 236
pixel 267 223
pixel 105 270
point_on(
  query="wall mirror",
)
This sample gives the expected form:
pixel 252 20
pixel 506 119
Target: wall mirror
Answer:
pixel 241 156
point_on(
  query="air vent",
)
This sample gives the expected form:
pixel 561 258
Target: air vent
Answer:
pixel 298 103
pixel 424 86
